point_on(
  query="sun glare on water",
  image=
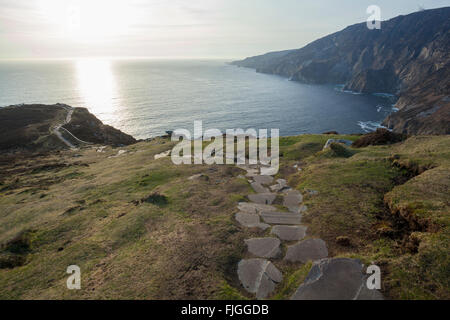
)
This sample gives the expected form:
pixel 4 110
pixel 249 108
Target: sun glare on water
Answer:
pixel 96 84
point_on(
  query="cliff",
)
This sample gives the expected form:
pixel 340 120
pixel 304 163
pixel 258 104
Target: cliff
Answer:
pixel 409 56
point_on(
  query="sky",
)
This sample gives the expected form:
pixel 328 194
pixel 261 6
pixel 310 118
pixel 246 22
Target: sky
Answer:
pixel 58 29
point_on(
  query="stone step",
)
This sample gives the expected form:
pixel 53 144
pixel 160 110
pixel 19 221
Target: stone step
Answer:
pixel 250 220
pixel 258 276
pixel 264 247
pixel 264 180
pixel 336 279
pixel 292 200
pixel 269 171
pixel 289 233
pixel 281 217
pixel 281 184
pixel 306 250
pixel 298 209
pixel 262 198
pixel 258 188
pixel 250 207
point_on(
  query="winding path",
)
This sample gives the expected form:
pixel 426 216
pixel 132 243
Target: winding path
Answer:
pixel 56 130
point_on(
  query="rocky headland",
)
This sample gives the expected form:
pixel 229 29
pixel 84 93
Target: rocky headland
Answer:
pixel 409 57
pixel 39 127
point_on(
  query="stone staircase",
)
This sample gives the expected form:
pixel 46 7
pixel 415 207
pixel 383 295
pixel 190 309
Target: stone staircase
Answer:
pixel 338 278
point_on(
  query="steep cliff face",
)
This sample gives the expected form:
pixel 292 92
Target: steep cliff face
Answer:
pixel 409 56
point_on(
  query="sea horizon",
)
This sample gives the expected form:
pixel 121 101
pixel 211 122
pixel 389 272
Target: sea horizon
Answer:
pixel 147 97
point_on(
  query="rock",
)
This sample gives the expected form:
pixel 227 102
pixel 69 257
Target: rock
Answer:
pixel 342 141
pixel 259 188
pixel 252 173
pixel 281 184
pixel 281 217
pixel 311 249
pixel 289 233
pixel 264 247
pixel 194 177
pixel 312 192
pixel 263 179
pixel 250 220
pixel 258 276
pixel 343 241
pixel 336 279
pixel 262 198
pixel 368 294
pixel 250 207
pixel 162 154
pixel 292 199
pixel 269 171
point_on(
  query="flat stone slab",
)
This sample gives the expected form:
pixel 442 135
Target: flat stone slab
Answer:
pixel 250 207
pixel 336 279
pixel 292 198
pixel 262 198
pixel 269 171
pixel 289 233
pixel 263 179
pixel 281 184
pixel 259 276
pixel 281 217
pixel 259 188
pixel 250 220
pixel 252 173
pixel 264 247
pixel 298 209
pixel 311 249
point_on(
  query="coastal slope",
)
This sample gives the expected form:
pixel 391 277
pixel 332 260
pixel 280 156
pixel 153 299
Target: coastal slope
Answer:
pixel 409 56
pixel 37 127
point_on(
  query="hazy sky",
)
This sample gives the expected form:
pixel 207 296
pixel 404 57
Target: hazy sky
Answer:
pixel 177 28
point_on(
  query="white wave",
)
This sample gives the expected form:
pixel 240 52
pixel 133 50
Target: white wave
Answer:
pixel 370 126
pixel 384 95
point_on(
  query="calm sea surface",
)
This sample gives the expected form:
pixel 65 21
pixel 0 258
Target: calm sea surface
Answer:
pixel 147 97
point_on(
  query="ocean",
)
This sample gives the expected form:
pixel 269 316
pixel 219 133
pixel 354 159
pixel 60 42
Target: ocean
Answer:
pixel 145 98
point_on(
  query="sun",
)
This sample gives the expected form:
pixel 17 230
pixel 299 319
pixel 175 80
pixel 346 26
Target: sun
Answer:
pixel 88 20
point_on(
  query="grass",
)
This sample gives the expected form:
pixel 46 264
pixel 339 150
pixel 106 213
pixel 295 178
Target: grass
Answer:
pixel 391 201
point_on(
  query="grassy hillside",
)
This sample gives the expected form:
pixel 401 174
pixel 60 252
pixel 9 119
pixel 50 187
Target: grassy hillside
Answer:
pixel 139 228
